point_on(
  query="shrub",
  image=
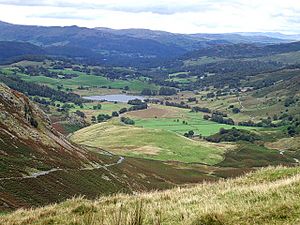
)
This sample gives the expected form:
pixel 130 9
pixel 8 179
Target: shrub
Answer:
pixel 127 120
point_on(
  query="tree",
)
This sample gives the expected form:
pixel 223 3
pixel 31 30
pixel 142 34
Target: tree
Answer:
pixel 79 113
pixel 123 110
pixel 189 134
pixel 127 120
pixel 236 110
pixel 115 114
pixel 103 117
pixel 97 107
pixel 148 91
pixel 167 91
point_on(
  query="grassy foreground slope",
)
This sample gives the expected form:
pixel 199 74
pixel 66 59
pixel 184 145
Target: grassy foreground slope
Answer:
pixel 149 143
pixel 269 196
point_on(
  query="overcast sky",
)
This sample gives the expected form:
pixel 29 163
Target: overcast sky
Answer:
pixel 181 16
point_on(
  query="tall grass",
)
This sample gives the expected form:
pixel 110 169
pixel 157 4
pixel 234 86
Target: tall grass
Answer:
pixel 269 196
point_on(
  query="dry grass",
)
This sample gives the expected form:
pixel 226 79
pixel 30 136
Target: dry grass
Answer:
pixel 155 111
pixel 269 196
pixel 292 143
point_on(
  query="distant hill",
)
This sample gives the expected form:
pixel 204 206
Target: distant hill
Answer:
pixel 94 41
pixel 244 50
pixel 12 50
pixel 129 47
pixel 192 41
pixel 275 35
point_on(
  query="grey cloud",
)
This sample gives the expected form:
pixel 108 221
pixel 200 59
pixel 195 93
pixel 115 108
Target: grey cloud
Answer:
pixel 63 15
pixel 163 8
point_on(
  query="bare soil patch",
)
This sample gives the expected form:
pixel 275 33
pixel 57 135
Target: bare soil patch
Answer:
pixel 153 112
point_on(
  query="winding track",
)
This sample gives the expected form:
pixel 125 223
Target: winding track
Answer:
pixel 43 173
pixel 242 106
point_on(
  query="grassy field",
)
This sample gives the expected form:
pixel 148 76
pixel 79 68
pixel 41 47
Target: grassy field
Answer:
pixel 149 143
pixel 202 60
pixel 106 108
pixel 171 119
pixel 84 80
pixel 269 196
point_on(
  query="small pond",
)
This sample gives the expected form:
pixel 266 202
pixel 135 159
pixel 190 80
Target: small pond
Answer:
pixel 114 98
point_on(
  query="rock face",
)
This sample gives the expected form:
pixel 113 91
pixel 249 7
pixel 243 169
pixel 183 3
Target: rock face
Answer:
pixel 29 143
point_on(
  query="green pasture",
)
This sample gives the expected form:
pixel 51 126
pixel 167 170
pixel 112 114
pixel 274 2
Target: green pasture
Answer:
pixel 149 143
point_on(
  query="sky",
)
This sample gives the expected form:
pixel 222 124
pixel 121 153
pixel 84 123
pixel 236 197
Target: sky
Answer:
pixel 177 16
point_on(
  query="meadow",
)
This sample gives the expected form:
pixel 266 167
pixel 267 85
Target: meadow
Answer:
pixel 155 144
pixel 179 121
pixel 85 80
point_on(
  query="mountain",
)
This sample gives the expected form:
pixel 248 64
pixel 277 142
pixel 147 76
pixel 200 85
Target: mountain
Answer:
pixel 182 40
pixel 11 51
pixel 244 50
pixel 192 41
pixel 85 39
pixel 235 38
pixel 120 47
pixel 276 35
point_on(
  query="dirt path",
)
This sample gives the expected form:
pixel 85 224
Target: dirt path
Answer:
pixel 43 173
pixel 243 107
pixel 240 102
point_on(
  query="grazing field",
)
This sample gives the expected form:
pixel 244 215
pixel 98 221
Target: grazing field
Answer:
pixel 177 120
pixel 268 196
pixel 85 80
pixel 202 60
pixel 106 108
pixel 149 143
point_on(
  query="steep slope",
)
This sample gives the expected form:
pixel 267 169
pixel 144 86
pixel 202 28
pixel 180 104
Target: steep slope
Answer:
pixel 29 143
pixel 269 196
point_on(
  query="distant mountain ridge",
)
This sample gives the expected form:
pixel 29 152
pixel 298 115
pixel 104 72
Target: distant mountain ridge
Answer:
pixel 244 50
pixel 272 35
pixel 127 47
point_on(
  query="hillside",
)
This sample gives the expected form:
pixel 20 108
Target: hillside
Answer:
pixel 130 47
pixel 268 196
pixel 29 142
pixel 244 50
pixel 10 51
pixel 40 166
pixel 76 41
